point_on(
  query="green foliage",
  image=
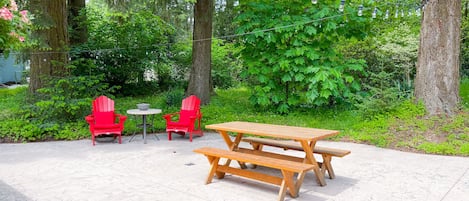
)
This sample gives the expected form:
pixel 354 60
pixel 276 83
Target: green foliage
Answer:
pixel 174 98
pixel 438 148
pixel 9 99
pixel 464 93
pixel 404 127
pixel 174 12
pixel 13 124
pixel 391 58
pixel 291 53
pixel 465 44
pixel 181 66
pixel 409 110
pixel 20 130
pixel 55 112
pixel 226 64
pixel 15 26
pixel 68 99
pixel 132 49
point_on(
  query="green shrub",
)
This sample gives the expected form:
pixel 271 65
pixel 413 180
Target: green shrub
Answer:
pixel 132 49
pixel 390 58
pixel 465 46
pixel 293 66
pixel 174 98
pixel 226 64
pixel 19 130
pixel 68 99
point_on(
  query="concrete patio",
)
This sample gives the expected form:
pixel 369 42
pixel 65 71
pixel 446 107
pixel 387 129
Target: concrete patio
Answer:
pixel 168 170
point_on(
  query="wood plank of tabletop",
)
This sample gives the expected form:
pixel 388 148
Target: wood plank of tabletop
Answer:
pixel 275 131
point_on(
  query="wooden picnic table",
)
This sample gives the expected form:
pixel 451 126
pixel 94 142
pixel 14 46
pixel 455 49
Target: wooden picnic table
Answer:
pixel 306 137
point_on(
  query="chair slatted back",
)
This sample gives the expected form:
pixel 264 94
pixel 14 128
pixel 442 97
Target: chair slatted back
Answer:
pixel 103 110
pixel 190 107
pixel 103 104
pixel 191 103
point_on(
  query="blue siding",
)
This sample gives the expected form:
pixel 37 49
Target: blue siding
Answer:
pixel 10 71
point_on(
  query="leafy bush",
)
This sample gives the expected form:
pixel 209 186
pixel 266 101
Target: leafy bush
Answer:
pixel 465 46
pixel 129 49
pixel 391 59
pixel 174 98
pixel 403 127
pixel 54 112
pixel 68 99
pixel 15 27
pixel 296 61
pixel 226 63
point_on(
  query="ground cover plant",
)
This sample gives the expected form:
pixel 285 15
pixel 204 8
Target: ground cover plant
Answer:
pixel 404 128
pixel 310 65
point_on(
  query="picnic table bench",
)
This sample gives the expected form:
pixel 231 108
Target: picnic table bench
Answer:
pixel 326 152
pixel 287 167
pixel 306 138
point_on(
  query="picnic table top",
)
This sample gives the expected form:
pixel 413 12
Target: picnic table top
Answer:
pixel 275 131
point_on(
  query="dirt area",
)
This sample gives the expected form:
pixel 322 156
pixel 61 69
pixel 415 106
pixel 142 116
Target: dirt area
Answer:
pixel 409 135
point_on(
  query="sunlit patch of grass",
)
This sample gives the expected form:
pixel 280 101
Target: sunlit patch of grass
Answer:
pixel 10 101
pixel 444 148
pixel 464 93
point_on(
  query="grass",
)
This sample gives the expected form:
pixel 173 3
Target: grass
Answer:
pixel 406 128
pixel 464 93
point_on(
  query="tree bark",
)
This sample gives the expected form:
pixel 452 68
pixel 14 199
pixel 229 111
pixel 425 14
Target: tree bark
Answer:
pixel 437 79
pixel 77 22
pixel 51 58
pixel 199 81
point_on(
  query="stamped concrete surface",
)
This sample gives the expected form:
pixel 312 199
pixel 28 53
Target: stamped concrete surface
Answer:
pixel 169 170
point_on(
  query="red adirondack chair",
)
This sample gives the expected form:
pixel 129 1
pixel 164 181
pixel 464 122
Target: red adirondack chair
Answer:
pixel 189 119
pixel 103 120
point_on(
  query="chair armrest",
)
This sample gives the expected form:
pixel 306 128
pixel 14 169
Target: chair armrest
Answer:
pixel 168 116
pixel 90 119
pixel 121 117
pixel 199 116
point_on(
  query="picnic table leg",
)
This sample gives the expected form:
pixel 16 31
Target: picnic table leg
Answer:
pixel 308 149
pixel 288 181
pixel 326 165
pixel 228 142
pixel 213 169
pixel 232 145
pixel 257 147
pixel 299 181
pixel 227 138
pixel 283 191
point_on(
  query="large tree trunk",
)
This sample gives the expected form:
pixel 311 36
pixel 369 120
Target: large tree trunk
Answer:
pixel 77 22
pixel 50 62
pixel 199 81
pixel 437 79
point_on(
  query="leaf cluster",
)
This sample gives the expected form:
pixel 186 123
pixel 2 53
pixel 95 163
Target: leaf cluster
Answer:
pixel 14 32
pixel 126 47
pixel 290 52
pixel 67 99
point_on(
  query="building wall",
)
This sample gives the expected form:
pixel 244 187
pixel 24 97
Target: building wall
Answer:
pixel 10 70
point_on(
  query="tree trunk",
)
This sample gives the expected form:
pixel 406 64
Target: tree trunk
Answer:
pixel 50 62
pixel 199 81
pixel 437 79
pixel 77 21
